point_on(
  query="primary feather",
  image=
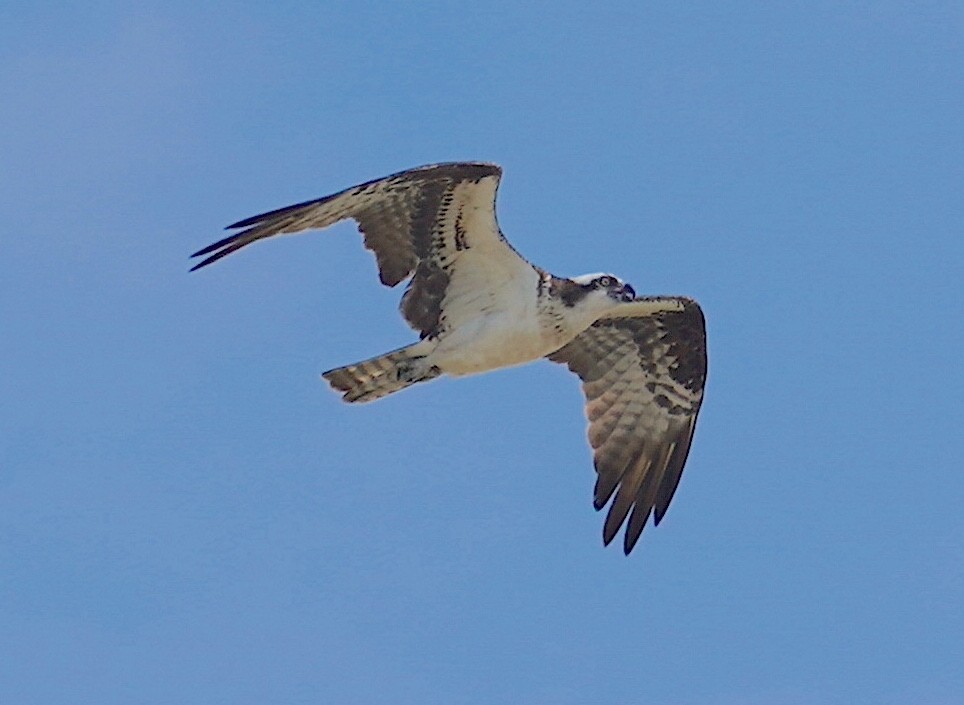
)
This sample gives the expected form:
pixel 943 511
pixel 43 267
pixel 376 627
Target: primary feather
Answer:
pixel 478 305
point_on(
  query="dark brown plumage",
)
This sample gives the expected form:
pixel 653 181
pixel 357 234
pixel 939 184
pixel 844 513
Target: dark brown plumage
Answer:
pixel 643 380
pixel 478 305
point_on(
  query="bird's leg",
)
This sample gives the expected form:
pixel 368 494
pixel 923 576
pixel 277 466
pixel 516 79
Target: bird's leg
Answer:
pixel 415 370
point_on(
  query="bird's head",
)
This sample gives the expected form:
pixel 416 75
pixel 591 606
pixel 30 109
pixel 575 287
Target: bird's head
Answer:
pixel 610 286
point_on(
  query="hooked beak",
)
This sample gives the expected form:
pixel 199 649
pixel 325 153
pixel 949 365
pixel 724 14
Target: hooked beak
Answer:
pixel 626 293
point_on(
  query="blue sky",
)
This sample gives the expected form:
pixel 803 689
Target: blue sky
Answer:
pixel 188 514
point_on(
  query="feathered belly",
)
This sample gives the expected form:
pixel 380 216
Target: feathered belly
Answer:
pixel 492 344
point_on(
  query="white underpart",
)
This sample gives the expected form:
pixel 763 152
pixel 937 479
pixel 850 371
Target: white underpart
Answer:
pixel 513 331
pixel 490 312
pixel 501 329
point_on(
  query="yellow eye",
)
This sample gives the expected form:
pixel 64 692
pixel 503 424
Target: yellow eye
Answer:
pixel 605 281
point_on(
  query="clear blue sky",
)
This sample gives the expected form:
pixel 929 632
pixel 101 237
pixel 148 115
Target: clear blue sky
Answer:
pixel 189 515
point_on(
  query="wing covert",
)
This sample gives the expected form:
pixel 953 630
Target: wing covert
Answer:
pixel 416 223
pixel 643 378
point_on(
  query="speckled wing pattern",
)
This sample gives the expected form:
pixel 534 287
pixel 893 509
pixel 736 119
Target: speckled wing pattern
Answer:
pixel 643 375
pixel 412 221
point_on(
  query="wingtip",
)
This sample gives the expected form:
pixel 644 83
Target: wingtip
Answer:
pixel 219 249
pixel 212 259
pixel 246 222
pixel 222 243
pixel 631 538
pixel 629 543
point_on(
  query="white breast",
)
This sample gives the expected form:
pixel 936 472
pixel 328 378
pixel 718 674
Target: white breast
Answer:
pixel 492 322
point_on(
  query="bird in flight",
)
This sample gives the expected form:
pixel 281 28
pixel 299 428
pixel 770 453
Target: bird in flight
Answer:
pixel 478 305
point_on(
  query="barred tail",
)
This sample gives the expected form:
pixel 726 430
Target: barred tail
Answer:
pixel 379 376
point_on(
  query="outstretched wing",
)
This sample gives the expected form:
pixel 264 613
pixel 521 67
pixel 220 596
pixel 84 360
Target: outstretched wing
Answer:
pixel 418 223
pixel 643 372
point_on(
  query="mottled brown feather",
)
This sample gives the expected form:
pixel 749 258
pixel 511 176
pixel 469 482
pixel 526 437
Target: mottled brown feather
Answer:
pixel 643 379
pixel 406 222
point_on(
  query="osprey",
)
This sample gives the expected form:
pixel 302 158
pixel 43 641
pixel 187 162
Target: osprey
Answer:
pixel 478 305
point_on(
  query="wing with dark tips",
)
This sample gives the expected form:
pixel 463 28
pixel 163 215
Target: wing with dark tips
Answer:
pixel 643 372
pixel 417 223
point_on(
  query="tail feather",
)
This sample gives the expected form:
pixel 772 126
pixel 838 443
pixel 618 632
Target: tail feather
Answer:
pixel 378 377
